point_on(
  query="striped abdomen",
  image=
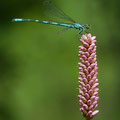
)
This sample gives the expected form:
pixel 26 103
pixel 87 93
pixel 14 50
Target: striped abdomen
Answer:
pixel 45 22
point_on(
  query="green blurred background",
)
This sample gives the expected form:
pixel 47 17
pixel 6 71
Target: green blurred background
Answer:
pixel 38 67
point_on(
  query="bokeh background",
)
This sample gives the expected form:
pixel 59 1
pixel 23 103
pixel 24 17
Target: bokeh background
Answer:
pixel 38 67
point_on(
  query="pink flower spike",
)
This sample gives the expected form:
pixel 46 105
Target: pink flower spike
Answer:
pixel 81 109
pixel 97 98
pixel 93 98
pixel 80 79
pixel 91 82
pixel 83 99
pixel 84 90
pixel 89 40
pixel 86 45
pixel 91 107
pixel 84 57
pixel 88 35
pixel 87 54
pixel 80 68
pixel 89 102
pixel 85 81
pixel 88 82
pixel 85 106
pixel 90 92
pixel 95 93
pixel 81 92
pixel 93 38
pixel 88 87
pixel 96 89
pixel 84 37
pixel 95 85
pixel 87 96
pixel 95 112
pixel 89 113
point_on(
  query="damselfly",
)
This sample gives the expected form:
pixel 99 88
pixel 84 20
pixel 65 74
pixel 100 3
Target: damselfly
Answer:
pixel 73 24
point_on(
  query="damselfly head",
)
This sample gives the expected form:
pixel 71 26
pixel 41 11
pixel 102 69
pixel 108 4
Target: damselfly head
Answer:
pixel 87 26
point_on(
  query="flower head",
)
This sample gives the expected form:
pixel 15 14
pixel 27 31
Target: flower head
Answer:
pixel 88 82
